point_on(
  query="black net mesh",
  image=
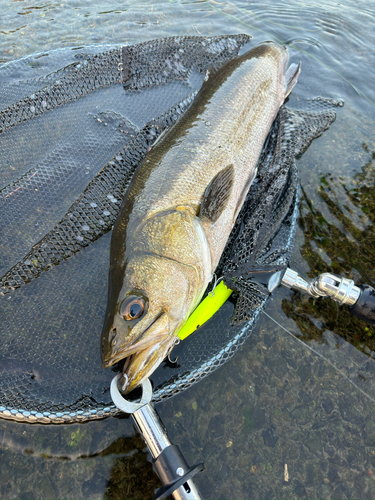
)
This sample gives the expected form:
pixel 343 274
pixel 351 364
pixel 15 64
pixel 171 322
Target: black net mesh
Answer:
pixel 74 127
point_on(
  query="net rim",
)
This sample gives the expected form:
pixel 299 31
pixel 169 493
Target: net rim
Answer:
pixel 166 392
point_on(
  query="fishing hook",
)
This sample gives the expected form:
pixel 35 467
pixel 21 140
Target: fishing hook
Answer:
pixel 175 342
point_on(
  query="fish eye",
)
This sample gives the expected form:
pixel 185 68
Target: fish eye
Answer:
pixel 132 307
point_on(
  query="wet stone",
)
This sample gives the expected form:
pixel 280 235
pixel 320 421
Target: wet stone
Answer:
pixel 333 475
pixel 247 491
pixel 216 427
pixel 324 466
pixel 340 492
pixel 47 487
pixel 328 406
pixel 359 486
pixel 269 494
pixel 299 489
pixel 319 424
pixel 306 398
pixel 314 442
pixel 254 418
pixel 288 356
pixel 213 449
pixel 269 438
pixel 95 443
pixel 237 378
pixel 278 366
pixel 205 404
pixel 348 412
pixel 313 475
pixel 302 414
pixel 180 428
pixel 225 471
pixel 268 340
pixel 355 462
pixel 206 487
pixel 369 368
pixel 304 372
pixel 186 443
pixel 370 430
pixel 280 393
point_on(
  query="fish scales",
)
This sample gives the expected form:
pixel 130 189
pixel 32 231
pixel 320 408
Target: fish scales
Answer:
pixel 227 124
pixel 181 206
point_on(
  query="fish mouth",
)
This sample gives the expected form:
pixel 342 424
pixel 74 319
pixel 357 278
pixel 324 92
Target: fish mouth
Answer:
pixel 157 331
pixel 139 366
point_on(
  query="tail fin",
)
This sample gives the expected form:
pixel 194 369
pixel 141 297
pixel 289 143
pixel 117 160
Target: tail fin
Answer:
pixel 291 77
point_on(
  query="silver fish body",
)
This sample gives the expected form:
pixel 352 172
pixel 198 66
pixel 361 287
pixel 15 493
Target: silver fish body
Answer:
pixel 181 206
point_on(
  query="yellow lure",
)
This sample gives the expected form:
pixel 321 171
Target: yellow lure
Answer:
pixel 205 310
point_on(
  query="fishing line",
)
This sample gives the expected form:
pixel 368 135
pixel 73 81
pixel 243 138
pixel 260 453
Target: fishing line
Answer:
pixel 321 356
pixel 217 280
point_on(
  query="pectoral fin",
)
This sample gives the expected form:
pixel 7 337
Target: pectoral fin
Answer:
pixel 217 195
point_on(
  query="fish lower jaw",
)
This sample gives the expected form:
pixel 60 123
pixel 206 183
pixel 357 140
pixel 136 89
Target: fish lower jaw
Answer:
pixel 139 366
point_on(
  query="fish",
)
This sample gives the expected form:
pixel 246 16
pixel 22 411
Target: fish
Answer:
pixel 181 205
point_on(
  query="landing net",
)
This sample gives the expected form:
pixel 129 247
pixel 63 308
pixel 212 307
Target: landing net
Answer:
pixel 74 124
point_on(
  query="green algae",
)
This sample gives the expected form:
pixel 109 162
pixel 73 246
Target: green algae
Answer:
pixel 351 253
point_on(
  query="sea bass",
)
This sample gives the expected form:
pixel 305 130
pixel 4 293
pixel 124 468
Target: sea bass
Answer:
pixel 181 206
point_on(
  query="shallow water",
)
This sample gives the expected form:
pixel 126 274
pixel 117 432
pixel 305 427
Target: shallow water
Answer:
pixel 276 402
